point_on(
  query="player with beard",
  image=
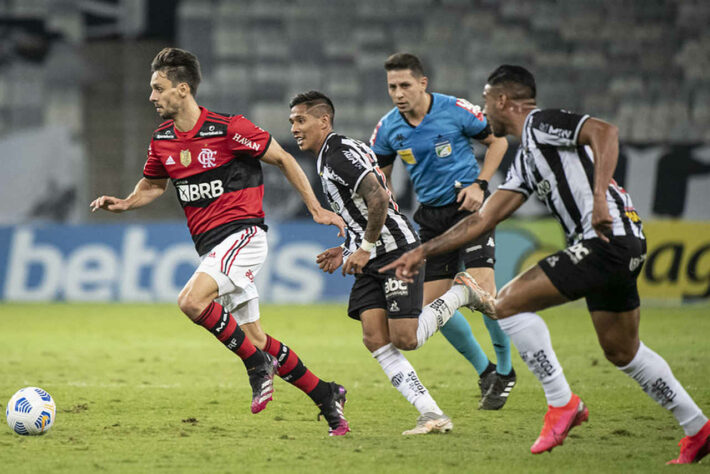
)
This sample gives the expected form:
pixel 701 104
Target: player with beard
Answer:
pixel 213 160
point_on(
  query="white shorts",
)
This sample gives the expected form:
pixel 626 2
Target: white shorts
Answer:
pixel 233 264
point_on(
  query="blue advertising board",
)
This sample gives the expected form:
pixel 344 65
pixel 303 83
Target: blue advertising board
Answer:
pixel 151 262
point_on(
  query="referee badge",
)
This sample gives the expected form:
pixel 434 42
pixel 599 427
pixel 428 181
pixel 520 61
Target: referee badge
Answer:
pixel 185 158
pixel 443 148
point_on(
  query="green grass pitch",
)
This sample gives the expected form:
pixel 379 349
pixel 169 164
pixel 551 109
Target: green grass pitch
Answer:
pixel 141 389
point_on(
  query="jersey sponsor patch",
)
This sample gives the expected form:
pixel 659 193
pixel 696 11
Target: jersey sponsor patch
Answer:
pixel 407 156
pixel 199 191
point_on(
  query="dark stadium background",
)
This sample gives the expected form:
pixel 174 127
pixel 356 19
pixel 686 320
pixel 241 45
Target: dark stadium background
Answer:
pixel 75 118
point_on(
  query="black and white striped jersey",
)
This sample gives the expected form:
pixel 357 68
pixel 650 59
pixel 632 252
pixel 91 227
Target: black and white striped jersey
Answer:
pixel 342 164
pixel 552 164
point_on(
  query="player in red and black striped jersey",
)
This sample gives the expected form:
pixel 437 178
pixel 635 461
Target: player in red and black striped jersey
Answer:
pixel 213 161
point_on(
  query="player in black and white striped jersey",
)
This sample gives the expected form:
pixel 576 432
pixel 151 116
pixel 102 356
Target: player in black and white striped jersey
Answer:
pixel 568 160
pixel 389 310
pixel 342 164
pixel 552 163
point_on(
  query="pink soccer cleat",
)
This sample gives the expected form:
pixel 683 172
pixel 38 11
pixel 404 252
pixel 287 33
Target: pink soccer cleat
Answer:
pixel 558 422
pixel 694 448
pixel 261 379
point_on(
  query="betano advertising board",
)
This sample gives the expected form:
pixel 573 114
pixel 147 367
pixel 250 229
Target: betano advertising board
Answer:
pixel 151 262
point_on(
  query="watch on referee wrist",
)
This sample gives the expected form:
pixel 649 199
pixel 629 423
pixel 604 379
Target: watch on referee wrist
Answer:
pixel 482 183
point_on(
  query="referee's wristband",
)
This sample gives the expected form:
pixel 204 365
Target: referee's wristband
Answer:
pixel 367 246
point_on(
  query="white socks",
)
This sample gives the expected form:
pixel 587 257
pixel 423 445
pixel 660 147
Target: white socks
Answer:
pixel 532 339
pixel 438 312
pixel 654 375
pixel 404 378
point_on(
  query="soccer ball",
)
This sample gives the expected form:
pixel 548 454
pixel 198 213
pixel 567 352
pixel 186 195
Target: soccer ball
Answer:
pixel 31 411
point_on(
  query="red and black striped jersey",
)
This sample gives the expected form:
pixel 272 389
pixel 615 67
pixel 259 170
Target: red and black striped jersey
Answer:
pixel 216 171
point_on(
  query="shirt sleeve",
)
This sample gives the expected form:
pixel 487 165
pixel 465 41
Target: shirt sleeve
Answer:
pixel 515 177
pixel 472 120
pixel 153 168
pixel 379 142
pixel 557 127
pixel 245 138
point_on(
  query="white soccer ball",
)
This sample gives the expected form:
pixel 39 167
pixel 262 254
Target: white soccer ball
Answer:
pixel 31 411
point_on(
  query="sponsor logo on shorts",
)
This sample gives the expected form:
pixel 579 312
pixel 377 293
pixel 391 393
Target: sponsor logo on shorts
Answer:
pixel 491 242
pixel 170 160
pixel 636 262
pixel 250 275
pixel 552 260
pixel 395 287
pixel 394 307
pixel 577 252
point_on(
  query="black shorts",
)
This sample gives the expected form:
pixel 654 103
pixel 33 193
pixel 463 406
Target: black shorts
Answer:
pixel 434 221
pixel 383 290
pixel 603 273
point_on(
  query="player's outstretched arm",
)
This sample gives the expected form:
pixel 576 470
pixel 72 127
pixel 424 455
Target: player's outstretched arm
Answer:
pixel 277 156
pixel 145 192
pixel 498 207
pixel 603 138
pixel 471 197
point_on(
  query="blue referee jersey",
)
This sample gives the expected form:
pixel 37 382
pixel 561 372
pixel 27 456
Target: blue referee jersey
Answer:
pixel 437 153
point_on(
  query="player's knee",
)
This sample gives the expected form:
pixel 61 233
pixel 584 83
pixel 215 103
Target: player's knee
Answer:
pixel 374 341
pixel 505 304
pixel 190 305
pixel 619 357
pixel 405 342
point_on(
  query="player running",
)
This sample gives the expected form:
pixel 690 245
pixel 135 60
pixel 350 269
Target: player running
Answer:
pixel 213 161
pixel 568 161
pixel 431 134
pixel 390 310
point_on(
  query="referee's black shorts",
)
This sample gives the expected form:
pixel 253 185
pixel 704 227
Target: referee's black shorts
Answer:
pixel 603 273
pixel 434 221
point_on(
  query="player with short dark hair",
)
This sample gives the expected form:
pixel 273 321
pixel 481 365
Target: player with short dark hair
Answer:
pixel 568 161
pixel 431 133
pixel 389 310
pixel 213 160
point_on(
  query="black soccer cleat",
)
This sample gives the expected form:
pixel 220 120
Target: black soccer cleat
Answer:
pixel 332 410
pixel 261 379
pixel 495 389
